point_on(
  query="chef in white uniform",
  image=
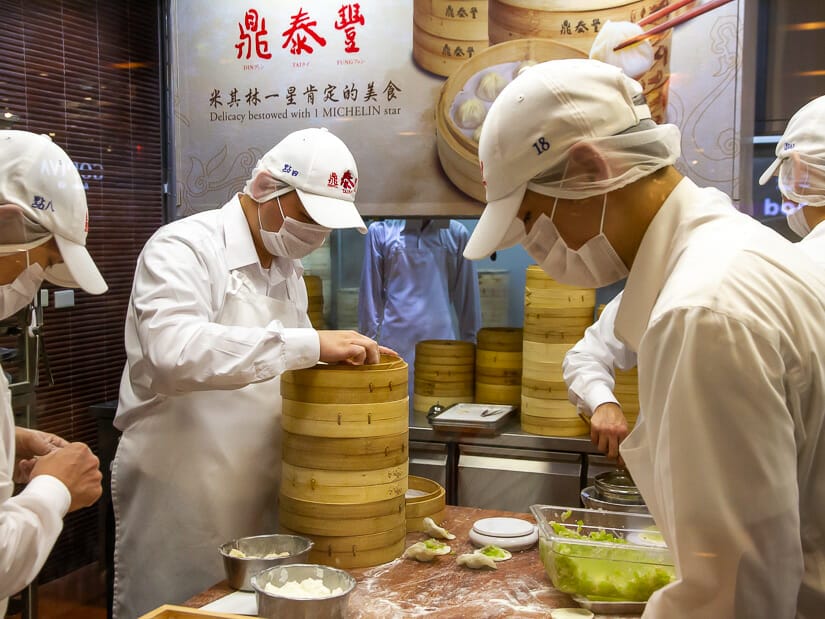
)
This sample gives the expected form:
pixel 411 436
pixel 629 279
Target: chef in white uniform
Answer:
pixel 218 311
pixel 589 372
pixel 413 281
pixel 800 168
pixel 43 226
pixel 724 314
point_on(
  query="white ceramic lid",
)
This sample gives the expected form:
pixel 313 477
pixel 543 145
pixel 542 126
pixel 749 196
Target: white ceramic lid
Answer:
pixel 503 527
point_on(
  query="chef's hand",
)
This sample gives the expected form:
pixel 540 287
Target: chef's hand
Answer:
pixel 608 428
pixel 28 445
pixel 350 347
pixel 78 468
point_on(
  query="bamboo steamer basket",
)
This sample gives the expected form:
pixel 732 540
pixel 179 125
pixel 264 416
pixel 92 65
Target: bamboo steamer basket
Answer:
pixel 457 152
pixel 315 301
pixel 575 23
pixel 345 459
pixel 345 454
pixel 448 32
pixel 313 518
pixel 444 373
pixel 555 318
pixel 354 551
pixel 498 366
pixel 428 502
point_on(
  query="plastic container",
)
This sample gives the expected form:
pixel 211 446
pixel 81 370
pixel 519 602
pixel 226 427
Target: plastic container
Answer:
pixel 602 555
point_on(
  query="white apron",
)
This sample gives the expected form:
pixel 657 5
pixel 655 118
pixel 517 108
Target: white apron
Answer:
pixel 200 471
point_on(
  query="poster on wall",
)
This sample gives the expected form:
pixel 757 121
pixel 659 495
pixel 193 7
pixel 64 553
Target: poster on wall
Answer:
pixel 406 85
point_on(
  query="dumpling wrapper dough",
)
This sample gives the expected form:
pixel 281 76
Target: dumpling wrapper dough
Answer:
pixel 433 529
pixel 470 114
pixel 476 561
pixel 633 60
pixel 490 86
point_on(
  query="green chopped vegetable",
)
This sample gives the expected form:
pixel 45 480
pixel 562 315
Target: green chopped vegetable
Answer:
pixel 434 544
pixel 494 552
pixel 566 515
pixel 604 570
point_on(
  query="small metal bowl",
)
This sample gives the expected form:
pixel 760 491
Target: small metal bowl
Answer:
pixel 592 500
pixel 276 607
pixel 239 570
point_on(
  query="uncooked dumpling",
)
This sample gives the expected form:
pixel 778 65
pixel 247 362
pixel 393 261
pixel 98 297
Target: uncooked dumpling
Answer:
pixel 633 60
pixel 490 86
pixel 476 561
pixel 427 550
pixel 522 67
pixel 470 114
pixel 436 531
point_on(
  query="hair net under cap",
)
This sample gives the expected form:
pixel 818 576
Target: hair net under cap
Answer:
pixel 536 120
pixel 800 156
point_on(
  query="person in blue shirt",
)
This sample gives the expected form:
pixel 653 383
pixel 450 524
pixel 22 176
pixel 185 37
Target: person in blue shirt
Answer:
pixel 416 285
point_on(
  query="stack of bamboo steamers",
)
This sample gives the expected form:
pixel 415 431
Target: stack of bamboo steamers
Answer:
pixel 345 458
pixel 555 318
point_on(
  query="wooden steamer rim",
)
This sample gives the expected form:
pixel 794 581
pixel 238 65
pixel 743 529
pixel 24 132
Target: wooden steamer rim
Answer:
pixel 445 348
pixel 458 155
pixel 334 420
pixel 343 486
pixel 345 454
pixel 505 339
pixel 356 557
pixel 343 511
pixel 426 504
pixel 321 524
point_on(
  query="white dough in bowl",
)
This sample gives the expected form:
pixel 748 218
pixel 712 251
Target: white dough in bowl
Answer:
pixel 470 114
pixel 633 60
pixel 490 86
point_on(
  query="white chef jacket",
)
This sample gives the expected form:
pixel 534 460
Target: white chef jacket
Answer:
pixel 30 521
pixel 728 319
pixel 412 280
pixel 588 367
pixel 174 345
pixel 813 244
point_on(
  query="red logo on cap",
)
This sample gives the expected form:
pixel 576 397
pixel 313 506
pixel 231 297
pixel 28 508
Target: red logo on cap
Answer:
pixel 347 183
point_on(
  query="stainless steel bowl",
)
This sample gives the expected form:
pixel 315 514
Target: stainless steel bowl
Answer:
pixel 239 570
pixel 276 607
pixel 592 500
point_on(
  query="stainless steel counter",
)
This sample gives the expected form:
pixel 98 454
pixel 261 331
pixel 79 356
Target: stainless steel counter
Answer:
pixel 511 436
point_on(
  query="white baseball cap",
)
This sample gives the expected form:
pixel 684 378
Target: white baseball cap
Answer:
pixel 530 129
pixel 321 169
pixel 40 182
pixel 804 138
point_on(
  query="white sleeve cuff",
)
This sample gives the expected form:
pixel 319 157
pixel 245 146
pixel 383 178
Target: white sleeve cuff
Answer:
pixel 597 394
pixel 51 491
pixel 302 348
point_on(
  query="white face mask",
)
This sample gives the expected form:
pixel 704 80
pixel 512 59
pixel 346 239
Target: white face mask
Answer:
pixel 593 265
pixel 798 223
pixel 18 294
pixel 295 239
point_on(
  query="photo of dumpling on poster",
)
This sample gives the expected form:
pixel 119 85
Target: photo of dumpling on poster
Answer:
pixel 406 84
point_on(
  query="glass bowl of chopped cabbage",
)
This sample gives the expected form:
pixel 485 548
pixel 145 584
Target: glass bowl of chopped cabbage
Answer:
pixel 303 591
pixel 602 555
pixel 246 556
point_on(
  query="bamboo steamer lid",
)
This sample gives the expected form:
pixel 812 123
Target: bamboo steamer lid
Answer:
pixel 345 454
pixel 428 501
pixel 449 349
pixel 457 152
pixel 329 486
pixel 347 384
pixel 505 339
